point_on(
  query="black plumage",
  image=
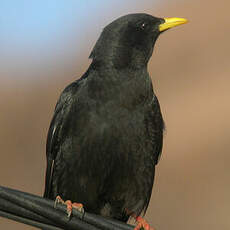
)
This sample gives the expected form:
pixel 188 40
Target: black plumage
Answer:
pixel 106 134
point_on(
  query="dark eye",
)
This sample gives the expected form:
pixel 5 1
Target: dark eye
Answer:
pixel 143 25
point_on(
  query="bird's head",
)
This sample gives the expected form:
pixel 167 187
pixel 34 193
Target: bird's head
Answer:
pixel 129 40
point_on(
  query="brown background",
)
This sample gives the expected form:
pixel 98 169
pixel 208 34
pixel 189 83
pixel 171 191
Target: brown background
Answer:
pixel 191 75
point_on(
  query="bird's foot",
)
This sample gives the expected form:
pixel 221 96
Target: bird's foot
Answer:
pixel 69 205
pixel 142 224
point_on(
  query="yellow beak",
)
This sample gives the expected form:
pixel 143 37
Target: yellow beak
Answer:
pixel 171 22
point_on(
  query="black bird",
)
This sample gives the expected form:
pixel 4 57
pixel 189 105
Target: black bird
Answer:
pixel 106 134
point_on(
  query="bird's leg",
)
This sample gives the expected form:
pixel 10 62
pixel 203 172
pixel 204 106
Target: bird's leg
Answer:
pixel 69 205
pixel 141 223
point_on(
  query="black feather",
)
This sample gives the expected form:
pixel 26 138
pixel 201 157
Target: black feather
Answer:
pixel 106 134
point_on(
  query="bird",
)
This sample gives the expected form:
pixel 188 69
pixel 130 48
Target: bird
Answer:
pixel 106 135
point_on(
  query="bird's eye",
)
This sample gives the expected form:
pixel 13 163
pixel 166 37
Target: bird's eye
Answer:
pixel 143 25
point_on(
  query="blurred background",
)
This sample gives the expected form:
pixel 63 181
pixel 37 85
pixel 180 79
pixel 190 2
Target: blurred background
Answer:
pixel 44 45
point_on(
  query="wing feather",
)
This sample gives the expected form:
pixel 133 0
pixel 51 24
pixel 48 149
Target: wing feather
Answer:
pixel 53 138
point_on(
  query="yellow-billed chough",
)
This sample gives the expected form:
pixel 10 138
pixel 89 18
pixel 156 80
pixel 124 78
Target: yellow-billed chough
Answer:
pixel 106 134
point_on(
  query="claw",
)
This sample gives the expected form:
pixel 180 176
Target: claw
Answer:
pixel 78 206
pixel 68 208
pixel 69 205
pixel 142 223
pixel 58 200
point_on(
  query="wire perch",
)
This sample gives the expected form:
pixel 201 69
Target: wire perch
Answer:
pixel 40 212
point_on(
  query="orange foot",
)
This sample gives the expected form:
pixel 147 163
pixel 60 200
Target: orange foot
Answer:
pixel 69 205
pixel 142 223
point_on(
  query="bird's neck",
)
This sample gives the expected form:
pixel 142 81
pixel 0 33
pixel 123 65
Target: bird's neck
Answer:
pixel 129 86
pixel 122 59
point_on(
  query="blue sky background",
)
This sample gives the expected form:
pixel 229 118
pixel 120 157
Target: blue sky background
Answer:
pixel 38 35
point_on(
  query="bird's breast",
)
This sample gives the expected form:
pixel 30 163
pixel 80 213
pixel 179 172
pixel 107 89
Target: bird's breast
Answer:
pixel 119 131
